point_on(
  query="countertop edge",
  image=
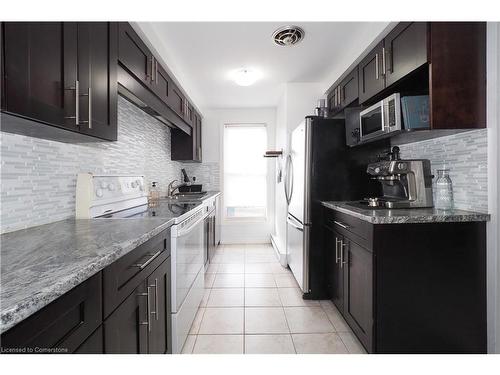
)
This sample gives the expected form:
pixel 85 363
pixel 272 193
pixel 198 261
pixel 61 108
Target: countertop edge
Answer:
pixel 424 218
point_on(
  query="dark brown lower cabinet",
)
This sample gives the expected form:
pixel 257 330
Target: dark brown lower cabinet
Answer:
pixel 350 283
pixel 63 325
pixel 126 330
pixel 93 345
pixel 358 289
pixel 138 321
pixel 142 323
pixel 409 288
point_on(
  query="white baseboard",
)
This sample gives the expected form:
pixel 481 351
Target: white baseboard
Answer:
pixel 280 253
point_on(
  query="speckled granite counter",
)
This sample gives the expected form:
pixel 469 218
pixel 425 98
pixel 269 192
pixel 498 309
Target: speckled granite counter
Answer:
pixel 402 216
pixel 42 263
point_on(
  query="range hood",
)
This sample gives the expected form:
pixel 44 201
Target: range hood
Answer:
pixel 132 90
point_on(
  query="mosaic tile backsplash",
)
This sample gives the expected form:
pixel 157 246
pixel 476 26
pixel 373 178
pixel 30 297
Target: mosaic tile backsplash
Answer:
pixel 39 176
pixel 466 156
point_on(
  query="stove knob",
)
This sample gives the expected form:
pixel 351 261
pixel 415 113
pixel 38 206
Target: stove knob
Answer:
pixel 132 185
pixel 377 170
pixel 99 193
pixel 401 166
pixel 111 186
pixel 104 185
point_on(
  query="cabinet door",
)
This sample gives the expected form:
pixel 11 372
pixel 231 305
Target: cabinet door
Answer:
pixel 93 345
pixel 349 88
pixel 358 290
pixel 176 101
pixel 335 272
pixel 134 55
pixel 64 324
pixel 35 82
pixel 126 329
pixel 333 100
pixel 405 49
pixel 161 84
pixel 160 334
pixel 371 80
pixel 97 58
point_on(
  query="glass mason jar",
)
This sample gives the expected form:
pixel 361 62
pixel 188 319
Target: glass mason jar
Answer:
pixel 444 190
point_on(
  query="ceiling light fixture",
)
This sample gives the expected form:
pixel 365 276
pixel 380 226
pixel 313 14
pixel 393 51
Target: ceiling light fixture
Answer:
pixel 245 77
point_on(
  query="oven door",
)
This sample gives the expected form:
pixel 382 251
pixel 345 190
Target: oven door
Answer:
pixel 371 122
pixel 188 248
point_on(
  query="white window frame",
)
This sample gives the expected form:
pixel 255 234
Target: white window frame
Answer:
pixel 225 218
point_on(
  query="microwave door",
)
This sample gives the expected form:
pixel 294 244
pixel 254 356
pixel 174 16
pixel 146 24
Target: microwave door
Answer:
pixel 372 122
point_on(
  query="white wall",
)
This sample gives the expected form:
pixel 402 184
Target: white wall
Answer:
pixel 493 254
pixel 213 124
pixel 298 100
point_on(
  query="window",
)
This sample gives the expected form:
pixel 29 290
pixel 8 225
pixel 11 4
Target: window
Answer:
pixel 245 171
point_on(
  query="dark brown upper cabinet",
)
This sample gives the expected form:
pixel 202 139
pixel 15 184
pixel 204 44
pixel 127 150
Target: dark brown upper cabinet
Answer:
pixel 371 79
pixel 457 75
pixel 62 74
pixel 33 57
pixel 405 50
pixel 134 55
pixel 188 147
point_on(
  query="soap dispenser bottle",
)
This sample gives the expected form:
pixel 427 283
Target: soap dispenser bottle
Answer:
pixel 154 193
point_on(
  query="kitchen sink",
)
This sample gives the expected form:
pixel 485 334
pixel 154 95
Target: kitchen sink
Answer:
pixel 189 195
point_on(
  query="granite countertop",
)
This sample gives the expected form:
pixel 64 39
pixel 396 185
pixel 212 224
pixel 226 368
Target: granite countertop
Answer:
pixel 42 263
pixel 403 215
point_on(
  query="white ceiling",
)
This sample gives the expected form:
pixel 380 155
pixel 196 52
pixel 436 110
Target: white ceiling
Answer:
pixel 201 55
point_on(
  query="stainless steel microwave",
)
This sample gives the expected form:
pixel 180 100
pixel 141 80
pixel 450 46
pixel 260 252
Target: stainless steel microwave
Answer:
pixel 380 119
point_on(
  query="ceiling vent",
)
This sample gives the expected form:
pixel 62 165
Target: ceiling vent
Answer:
pixel 288 35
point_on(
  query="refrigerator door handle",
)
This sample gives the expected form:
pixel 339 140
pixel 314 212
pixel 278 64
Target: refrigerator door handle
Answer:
pixel 289 179
pixel 287 171
pixel 294 224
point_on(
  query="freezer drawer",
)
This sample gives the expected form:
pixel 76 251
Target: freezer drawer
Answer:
pixel 297 254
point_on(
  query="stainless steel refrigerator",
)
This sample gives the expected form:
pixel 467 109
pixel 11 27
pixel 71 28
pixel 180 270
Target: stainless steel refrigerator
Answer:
pixel 320 167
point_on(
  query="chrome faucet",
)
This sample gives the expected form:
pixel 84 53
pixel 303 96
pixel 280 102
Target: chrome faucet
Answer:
pixel 171 188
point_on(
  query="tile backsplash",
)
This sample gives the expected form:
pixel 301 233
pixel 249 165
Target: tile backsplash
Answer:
pixel 39 176
pixel 466 156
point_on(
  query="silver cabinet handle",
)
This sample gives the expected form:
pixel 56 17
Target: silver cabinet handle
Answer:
pixel 337 258
pixel 89 95
pixel 384 70
pixel 155 285
pixel 144 265
pixel 341 224
pixel 152 69
pixel 156 71
pixel 76 88
pixel 376 66
pixel 148 308
pixel 342 245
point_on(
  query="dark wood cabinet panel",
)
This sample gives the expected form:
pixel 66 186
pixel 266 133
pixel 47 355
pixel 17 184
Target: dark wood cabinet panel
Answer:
pixel 457 85
pixel 123 276
pixel 349 88
pixel 93 345
pixel 335 272
pixel 358 290
pixel 371 79
pixel 161 322
pixel 63 325
pixel 126 330
pixel 34 81
pixel 188 147
pixel 97 59
pixel 134 55
pixel 405 50
pixel 162 83
pixel 177 101
pixel 49 68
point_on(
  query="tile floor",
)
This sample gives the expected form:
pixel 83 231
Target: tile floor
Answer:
pixel 253 305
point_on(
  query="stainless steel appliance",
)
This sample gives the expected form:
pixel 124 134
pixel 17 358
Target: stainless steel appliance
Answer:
pixel 319 167
pixel 381 119
pixel 405 183
pixel 121 197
